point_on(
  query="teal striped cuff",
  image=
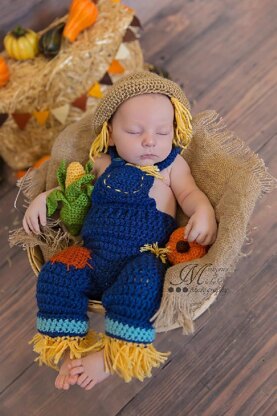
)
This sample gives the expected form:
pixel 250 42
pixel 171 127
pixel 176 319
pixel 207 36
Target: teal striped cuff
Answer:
pixel 129 332
pixel 60 327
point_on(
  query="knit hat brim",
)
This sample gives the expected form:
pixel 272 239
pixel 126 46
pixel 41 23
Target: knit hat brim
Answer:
pixel 136 83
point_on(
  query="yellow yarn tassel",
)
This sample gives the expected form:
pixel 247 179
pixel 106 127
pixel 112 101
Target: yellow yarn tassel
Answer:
pixel 51 350
pixel 149 170
pixel 130 360
pixel 101 143
pixel 159 252
pixel 183 131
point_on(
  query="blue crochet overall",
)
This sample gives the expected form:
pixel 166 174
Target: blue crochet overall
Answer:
pixel 122 219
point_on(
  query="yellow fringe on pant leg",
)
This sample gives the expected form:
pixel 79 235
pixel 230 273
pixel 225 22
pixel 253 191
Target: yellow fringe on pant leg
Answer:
pixel 51 350
pixel 130 360
pixel 127 359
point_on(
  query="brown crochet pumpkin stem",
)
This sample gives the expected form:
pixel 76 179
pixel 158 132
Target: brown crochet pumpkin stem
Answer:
pixel 182 246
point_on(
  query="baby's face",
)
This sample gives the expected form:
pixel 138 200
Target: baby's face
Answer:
pixel 142 129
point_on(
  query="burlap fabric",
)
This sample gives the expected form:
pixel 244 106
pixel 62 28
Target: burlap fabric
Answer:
pixel 42 84
pixel 229 173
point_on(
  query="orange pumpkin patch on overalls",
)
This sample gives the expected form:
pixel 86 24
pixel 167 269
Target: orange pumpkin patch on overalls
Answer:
pixel 181 250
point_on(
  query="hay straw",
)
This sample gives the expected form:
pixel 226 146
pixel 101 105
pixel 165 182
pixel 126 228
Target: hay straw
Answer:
pixel 41 84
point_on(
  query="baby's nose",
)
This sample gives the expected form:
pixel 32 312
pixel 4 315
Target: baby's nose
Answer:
pixel 148 139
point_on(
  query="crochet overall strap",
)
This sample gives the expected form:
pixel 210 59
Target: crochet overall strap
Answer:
pixel 170 158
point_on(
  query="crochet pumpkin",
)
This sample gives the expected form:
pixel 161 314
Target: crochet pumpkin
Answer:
pixel 180 250
pixel 4 72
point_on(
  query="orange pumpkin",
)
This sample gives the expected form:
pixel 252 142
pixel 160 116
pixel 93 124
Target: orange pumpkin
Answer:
pixel 82 14
pixel 181 250
pixel 4 72
pixel 36 165
pixel 40 161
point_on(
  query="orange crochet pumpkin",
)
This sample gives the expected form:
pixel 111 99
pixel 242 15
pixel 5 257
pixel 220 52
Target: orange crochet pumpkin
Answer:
pixel 4 72
pixel 181 250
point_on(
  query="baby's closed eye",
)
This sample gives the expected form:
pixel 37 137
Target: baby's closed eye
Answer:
pixel 133 132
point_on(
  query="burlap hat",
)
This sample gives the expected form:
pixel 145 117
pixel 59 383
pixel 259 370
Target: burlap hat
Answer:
pixel 229 173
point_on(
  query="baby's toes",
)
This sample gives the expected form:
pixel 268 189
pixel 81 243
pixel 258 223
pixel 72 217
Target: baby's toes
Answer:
pixel 86 382
pixel 90 385
pixel 59 381
pixel 66 384
pixel 81 379
pixel 75 363
pixel 73 379
pixel 76 371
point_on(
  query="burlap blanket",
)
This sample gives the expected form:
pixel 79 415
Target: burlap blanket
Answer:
pixel 230 174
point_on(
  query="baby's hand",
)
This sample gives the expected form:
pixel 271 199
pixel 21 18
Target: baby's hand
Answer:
pixel 35 214
pixel 202 227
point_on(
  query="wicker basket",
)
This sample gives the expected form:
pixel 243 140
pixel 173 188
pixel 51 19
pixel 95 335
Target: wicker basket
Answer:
pixel 36 261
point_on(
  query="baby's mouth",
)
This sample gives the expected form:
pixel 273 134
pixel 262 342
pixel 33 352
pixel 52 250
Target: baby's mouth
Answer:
pixel 148 156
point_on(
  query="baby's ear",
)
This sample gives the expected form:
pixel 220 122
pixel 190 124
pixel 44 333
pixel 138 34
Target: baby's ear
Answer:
pixel 110 130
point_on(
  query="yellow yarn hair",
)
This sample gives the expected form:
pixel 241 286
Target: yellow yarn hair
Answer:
pixel 182 138
pixel 183 131
pixel 101 143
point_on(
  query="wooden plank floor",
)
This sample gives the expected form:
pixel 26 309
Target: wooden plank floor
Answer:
pixel 223 52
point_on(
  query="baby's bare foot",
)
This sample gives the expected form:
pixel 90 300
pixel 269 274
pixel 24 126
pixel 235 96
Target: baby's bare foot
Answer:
pixel 90 370
pixel 63 379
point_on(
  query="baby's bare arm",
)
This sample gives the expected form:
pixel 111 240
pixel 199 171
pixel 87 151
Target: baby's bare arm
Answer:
pixel 35 214
pixel 202 224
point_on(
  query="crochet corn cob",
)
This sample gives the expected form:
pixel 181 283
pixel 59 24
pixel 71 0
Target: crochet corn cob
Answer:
pixel 76 188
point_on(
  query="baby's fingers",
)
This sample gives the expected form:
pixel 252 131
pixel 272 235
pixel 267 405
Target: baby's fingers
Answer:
pixel 213 238
pixel 193 235
pixel 208 240
pixel 202 239
pixel 188 229
pixel 42 215
pixel 25 226
pixel 34 225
